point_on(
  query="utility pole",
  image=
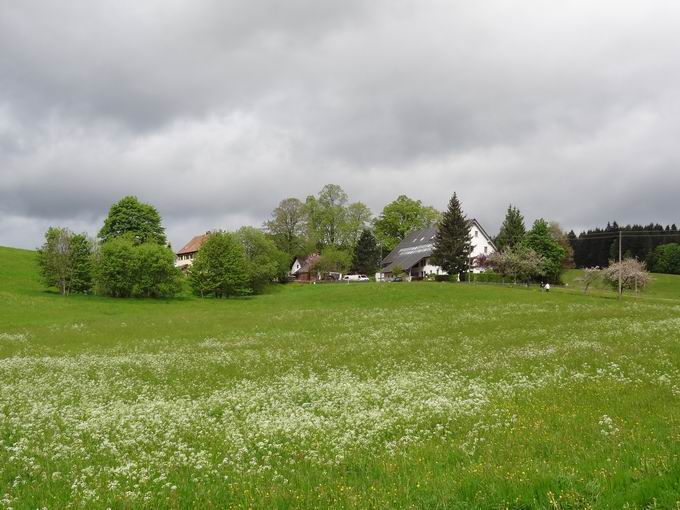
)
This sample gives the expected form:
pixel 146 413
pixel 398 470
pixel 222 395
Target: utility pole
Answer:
pixel 620 266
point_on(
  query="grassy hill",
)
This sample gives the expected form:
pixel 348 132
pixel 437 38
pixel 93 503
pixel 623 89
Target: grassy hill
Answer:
pixel 420 395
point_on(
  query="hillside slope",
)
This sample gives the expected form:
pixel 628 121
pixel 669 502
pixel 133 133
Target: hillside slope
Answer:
pixel 19 271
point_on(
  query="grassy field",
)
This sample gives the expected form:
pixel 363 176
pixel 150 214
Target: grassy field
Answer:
pixel 404 395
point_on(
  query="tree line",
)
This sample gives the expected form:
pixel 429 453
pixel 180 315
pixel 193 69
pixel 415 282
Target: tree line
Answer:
pixel 653 244
pixel 131 257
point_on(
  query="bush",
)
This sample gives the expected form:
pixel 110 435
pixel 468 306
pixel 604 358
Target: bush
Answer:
pixel 488 277
pixel 220 268
pixel 116 268
pixel 266 263
pixel 125 269
pixel 666 259
pixel 157 275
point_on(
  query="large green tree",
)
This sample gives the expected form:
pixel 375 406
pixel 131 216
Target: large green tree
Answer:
pixel 541 240
pixel 65 261
pixel 366 257
pixel 452 244
pixel 287 226
pixel 220 268
pixel 332 221
pixel 401 216
pixel 266 263
pixel 512 230
pixel 130 217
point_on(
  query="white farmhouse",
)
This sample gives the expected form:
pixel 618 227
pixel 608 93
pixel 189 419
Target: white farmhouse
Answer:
pixel 184 258
pixel 413 253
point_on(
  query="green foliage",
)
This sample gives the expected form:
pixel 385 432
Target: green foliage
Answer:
pixel 220 268
pixel 366 257
pixel 540 239
pixel 266 263
pixel 512 230
pixel 131 217
pixel 126 269
pixel 65 261
pixel 116 268
pixel 330 221
pixel 452 244
pixel 287 226
pixel 666 259
pixel 333 259
pixel 400 217
pixel 156 274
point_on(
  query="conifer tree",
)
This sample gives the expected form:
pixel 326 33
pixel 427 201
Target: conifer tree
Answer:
pixel 452 245
pixel 366 258
pixel 512 230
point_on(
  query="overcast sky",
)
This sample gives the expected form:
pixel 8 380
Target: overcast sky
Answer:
pixel 214 111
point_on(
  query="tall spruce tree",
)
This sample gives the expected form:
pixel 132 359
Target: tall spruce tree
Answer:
pixel 452 245
pixel 366 257
pixel 512 230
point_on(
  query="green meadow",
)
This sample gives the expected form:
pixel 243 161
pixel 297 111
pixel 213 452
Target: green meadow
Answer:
pixel 392 395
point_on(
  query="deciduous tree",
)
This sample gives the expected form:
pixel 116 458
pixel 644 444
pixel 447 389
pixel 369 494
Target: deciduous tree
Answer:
pixel 287 226
pixel 266 263
pixel 220 268
pixel 141 222
pixel 401 216
pixel 542 242
pixel 65 261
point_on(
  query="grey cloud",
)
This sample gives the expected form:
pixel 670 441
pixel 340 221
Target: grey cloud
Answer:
pixel 214 111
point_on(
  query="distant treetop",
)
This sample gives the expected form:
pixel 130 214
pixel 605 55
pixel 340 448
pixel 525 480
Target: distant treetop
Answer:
pixel 132 218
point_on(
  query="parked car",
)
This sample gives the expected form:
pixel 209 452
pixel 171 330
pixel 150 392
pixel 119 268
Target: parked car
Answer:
pixel 355 278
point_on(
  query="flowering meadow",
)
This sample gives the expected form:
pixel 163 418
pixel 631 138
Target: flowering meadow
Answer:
pixel 420 395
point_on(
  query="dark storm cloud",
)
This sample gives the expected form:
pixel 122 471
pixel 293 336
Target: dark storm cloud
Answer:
pixel 214 111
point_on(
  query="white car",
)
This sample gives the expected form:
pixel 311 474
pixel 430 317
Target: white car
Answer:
pixel 355 278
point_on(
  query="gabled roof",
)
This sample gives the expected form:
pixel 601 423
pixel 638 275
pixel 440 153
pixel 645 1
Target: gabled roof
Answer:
pixel 417 245
pixel 194 245
pixel 306 263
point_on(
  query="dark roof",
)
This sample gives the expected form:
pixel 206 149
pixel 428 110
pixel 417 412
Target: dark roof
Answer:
pixel 307 263
pixel 194 245
pixel 416 245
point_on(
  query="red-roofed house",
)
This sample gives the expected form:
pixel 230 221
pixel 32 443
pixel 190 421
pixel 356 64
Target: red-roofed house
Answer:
pixel 185 257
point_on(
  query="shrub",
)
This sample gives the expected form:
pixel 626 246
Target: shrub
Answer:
pixel 65 261
pixel 126 269
pixel 666 259
pixel 220 268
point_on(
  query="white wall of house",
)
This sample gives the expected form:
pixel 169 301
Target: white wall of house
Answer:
pixel 296 266
pixel 184 260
